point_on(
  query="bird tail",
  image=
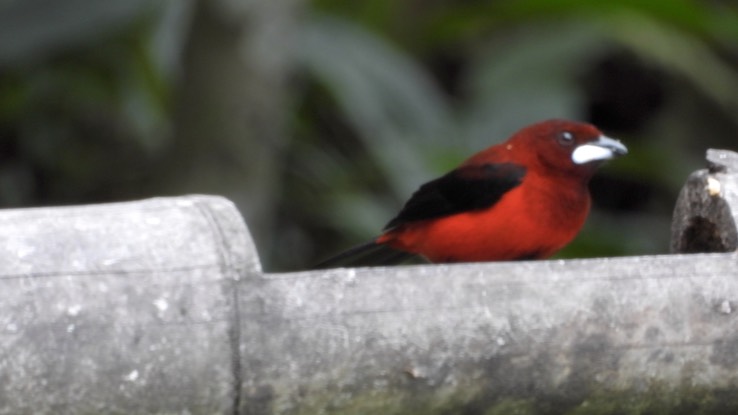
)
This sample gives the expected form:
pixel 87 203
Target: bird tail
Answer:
pixel 367 254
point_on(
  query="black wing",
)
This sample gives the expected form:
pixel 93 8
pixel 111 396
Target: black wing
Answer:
pixel 464 189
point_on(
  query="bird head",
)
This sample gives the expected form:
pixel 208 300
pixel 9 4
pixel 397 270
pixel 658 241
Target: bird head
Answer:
pixel 567 147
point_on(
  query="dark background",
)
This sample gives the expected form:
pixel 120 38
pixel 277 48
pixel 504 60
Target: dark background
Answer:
pixel 320 118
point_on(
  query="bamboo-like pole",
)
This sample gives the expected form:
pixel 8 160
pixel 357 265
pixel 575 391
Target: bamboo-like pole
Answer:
pixel 160 306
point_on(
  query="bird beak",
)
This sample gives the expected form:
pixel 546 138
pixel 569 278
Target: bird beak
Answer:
pixel 603 148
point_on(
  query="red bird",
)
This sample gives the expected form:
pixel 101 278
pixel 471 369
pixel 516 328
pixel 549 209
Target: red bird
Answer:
pixel 522 199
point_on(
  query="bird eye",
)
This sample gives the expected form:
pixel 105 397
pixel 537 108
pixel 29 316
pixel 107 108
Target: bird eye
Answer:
pixel 566 138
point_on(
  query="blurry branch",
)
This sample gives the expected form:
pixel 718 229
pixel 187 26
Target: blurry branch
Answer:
pixel 232 106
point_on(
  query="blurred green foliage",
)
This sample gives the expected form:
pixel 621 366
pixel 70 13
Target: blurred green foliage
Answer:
pixel 384 95
pixel 82 105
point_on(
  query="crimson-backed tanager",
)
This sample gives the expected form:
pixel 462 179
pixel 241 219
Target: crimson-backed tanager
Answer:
pixel 525 198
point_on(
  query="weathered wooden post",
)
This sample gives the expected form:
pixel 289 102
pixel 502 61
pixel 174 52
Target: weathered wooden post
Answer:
pixel 707 209
pixel 160 306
